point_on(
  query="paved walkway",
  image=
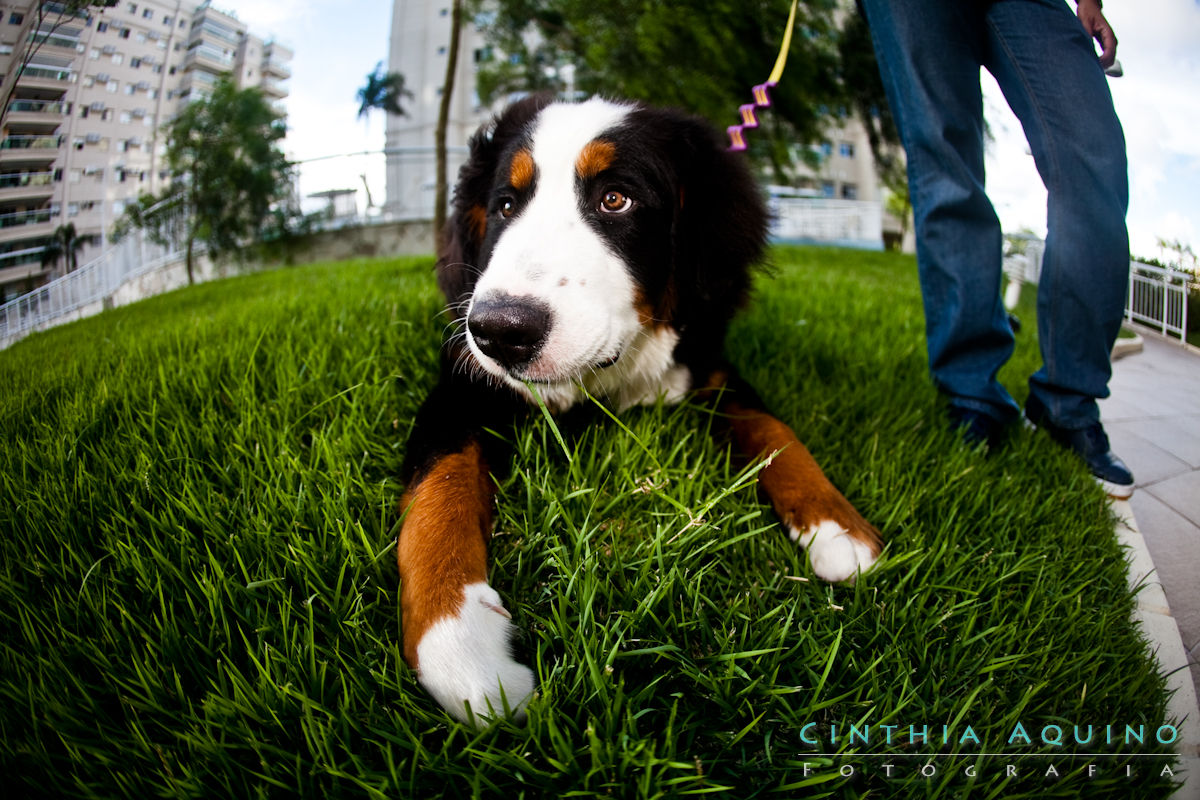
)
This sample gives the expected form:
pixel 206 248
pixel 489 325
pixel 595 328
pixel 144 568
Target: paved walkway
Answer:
pixel 1153 422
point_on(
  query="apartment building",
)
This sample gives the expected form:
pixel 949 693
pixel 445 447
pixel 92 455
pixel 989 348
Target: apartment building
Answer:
pixel 82 136
pixel 419 49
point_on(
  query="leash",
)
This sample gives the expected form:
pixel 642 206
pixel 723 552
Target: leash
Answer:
pixel 762 92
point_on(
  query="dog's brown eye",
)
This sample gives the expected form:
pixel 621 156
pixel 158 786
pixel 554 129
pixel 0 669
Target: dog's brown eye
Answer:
pixel 615 203
pixel 507 208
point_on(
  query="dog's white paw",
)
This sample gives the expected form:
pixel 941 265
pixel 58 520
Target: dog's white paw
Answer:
pixel 465 661
pixel 835 555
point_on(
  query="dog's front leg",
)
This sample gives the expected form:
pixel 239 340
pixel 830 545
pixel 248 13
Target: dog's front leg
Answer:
pixel 840 543
pixel 456 629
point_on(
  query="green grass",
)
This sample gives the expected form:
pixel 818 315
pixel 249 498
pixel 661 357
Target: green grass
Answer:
pixel 198 592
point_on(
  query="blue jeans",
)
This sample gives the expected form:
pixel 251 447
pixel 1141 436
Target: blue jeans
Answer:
pixel 930 53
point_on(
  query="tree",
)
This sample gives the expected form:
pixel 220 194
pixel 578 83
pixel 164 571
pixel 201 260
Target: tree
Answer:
pixel 54 15
pixel 701 55
pixel 383 91
pixel 63 242
pixel 227 171
pixel 442 190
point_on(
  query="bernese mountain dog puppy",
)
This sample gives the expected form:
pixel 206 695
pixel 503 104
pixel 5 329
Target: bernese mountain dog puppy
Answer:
pixel 597 248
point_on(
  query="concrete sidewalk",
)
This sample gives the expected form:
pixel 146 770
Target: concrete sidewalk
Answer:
pixel 1153 422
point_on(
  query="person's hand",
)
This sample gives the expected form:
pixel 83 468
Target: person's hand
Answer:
pixel 1098 28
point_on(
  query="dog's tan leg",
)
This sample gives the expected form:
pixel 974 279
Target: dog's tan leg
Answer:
pixel 840 543
pixel 456 629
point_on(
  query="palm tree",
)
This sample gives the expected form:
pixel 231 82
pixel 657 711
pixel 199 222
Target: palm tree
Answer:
pixel 63 242
pixel 384 91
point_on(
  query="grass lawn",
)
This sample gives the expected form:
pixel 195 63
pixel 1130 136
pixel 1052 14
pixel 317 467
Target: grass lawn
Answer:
pixel 198 590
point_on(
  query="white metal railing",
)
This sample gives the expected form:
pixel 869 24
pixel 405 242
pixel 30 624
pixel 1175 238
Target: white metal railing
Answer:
pixel 1158 297
pixel 857 223
pixel 92 283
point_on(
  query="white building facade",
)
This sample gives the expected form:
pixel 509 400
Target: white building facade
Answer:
pixel 420 45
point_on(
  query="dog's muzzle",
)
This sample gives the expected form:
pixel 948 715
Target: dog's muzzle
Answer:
pixel 510 330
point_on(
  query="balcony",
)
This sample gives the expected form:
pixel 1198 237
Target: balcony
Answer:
pixel 21 264
pixel 273 89
pixel 26 185
pixel 30 149
pixel 36 116
pixel 18 225
pixel 275 70
pixel 57 44
pixel 209 60
pixel 44 77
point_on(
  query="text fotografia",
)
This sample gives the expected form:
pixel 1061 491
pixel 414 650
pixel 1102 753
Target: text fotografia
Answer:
pixel 1052 735
pixel 1050 751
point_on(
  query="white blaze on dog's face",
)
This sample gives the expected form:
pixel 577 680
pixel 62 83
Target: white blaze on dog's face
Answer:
pixel 558 302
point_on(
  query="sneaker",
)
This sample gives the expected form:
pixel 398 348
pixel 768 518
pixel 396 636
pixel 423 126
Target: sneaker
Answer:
pixel 975 427
pixel 1090 444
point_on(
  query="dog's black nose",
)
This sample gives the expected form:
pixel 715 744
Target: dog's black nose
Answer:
pixel 508 329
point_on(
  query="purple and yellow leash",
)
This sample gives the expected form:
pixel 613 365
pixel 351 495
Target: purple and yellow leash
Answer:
pixel 762 92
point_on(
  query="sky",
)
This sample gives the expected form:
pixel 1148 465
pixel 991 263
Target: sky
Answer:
pixel 1158 102
pixel 337 42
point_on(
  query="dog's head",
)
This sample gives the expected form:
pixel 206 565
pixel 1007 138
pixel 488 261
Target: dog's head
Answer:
pixel 578 228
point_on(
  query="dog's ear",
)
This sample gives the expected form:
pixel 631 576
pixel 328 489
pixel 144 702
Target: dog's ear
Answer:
pixel 720 226
pixel 458 263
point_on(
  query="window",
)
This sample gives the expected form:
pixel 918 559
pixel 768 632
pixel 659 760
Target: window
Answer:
pixel 117 58
pixel 849 191
pixel 166 21
pixel 15 18
pixel 148 14
pixel 846 150
pixel 124 33
pixel 135 62
pixel 73 208
pixel 133 8
pixel 826 149
pixel 101 27
pixel 827 189
pixel 113 85
pixel 94 55
pixel 75 176
pixel 126 118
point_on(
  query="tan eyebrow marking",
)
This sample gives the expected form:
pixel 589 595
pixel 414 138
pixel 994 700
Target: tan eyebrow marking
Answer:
pixel 477 218
pixel 595 157
pixel 520 172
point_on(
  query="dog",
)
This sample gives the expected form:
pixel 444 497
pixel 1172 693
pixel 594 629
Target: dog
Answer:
pixel 597 248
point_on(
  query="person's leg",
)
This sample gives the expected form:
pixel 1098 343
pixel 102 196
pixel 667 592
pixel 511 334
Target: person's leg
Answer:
pixel 1052 79
pixel 929 52
pixel 1046 65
